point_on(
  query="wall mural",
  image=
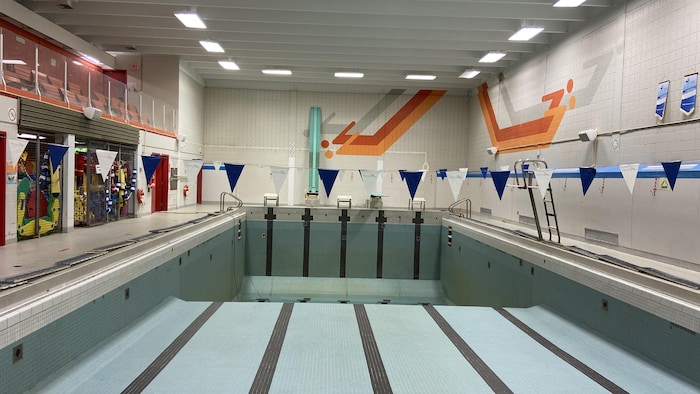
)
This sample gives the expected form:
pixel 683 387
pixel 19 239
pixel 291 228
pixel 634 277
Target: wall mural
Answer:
pixel 378 143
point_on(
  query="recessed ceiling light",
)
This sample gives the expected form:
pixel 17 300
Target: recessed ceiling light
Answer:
pixel 212 46
pixel 276 71
pixel 492 57
pixel 469 74
pixel 191 20
pixel 526 33
pixel 342 74
pixel 421 77
pixel 569 3
pixel 14 61
pixel 229 64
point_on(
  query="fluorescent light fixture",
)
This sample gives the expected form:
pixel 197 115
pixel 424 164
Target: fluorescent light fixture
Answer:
pixel 568 3
pixel 469 74
pixel 191 20
pixel 30 136
pixel 492 57
pixel 14 61
pixel 526 33
pixel 421 77
pixel 342 74
pixel 90 59
pixel 276 71
pixel 229 64
pixel 212 46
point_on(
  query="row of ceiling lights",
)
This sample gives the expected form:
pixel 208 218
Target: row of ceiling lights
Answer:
pixel 527 32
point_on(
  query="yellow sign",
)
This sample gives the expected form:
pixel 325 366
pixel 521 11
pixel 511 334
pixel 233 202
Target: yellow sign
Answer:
pixel 664 185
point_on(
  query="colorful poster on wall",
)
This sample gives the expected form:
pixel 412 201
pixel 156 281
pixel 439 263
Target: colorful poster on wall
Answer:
pixel 661 97
pixel 690 90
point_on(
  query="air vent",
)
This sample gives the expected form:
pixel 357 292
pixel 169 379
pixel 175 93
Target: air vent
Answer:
pixel 485 211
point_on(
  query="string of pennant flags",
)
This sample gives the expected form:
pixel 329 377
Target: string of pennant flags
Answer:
pixel 629 172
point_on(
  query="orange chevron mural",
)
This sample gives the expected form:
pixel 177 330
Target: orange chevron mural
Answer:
pixel 390 132
pixel 533 134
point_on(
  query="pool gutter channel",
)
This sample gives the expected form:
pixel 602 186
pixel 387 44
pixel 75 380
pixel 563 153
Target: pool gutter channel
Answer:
pixel 118 266
pixel 624 281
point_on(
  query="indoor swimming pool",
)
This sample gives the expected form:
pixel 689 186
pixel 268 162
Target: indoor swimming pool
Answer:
pixel 301 300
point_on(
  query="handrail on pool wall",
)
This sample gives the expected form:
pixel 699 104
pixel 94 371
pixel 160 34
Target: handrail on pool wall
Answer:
pixel 239 202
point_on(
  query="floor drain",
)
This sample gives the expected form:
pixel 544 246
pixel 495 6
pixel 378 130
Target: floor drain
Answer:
pixel 261 299
pixel 384 302
pixel 17 353
pixel 343 301
pixel 305 299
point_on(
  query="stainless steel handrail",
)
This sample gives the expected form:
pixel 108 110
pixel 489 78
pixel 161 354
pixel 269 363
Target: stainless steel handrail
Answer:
pixel 468 209
pixel 239 202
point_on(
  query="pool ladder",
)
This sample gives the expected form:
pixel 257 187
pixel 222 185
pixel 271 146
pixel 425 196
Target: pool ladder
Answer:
pixel 467 210
pixel 239 202
pixel 523 180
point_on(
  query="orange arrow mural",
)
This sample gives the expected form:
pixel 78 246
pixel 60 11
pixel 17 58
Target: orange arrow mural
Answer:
pixel 390 132
pixel 534 134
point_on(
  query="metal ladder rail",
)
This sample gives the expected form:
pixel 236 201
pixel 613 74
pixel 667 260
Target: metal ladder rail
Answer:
pixel 239 202
pixel 552 213
pixel 468 208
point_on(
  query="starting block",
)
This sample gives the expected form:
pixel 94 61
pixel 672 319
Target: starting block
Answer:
pixel 271 197
pixel 345 200
pixel 418 200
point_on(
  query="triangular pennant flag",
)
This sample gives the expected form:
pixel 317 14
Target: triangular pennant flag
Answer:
pixel 105 159
pixel 671 169
pixel 629 172
pixel 150 163
pixel 328 177
pixel 56 153
pixel 484 171
pixel 500 178
pixel 587 175
pixel 441 173
pixel 279 175
pixel 217 165
pixel 369 178
pixel 403 174
pixel 15 149
pixel 412 180
pixel 192 168
pixel 543 177
pixel 456 178
pixel 233 171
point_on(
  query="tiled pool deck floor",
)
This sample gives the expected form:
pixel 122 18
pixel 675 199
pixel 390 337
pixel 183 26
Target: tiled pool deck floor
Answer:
pixel 345 348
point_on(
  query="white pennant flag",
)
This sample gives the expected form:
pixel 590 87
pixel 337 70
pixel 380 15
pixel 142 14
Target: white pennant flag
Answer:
pixel 217 165
pixel 105 159
pixel 456 178
pixel 369 178
pixel 192 168
pixel 279 175
pixel 543 176
pixel 629 172
pixel 15 149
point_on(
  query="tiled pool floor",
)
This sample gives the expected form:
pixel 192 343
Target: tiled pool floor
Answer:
pixel 321 348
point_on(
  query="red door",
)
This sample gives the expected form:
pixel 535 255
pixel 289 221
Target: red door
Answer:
pixel 199 187
pixel 159 199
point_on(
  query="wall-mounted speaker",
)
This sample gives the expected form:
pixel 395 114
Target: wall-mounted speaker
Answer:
pixel 92 113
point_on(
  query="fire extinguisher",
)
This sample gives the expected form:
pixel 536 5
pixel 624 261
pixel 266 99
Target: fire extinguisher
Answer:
pixel 185 189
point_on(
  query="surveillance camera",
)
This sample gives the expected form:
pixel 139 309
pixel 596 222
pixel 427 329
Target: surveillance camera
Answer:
pixel 492 150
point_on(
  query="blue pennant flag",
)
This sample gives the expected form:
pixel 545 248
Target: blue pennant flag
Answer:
pixel 56 153
pixel 412 180
pixel 671 169
pixel 328 177
pixel 150 163
pixel 233 171
pixel 484 171
pixel 442 173
pixel 500 178
pixel 402 173
pixel 587 174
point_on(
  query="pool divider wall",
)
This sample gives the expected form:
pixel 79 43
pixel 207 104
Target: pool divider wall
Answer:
pixel 400 238
pixel 184 263
pixel 488 267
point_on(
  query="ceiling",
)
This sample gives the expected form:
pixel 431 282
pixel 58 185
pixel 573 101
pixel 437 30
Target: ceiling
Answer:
pixel 384 39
